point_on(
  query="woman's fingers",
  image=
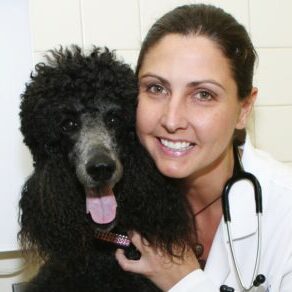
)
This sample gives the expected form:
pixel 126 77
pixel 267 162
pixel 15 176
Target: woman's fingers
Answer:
pixel 140 243
pixel 161 268
pixel 142 265
pixel 126 264
pixel 134 266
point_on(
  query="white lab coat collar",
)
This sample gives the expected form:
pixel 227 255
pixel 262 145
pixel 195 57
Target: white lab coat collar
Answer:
pixel 249 158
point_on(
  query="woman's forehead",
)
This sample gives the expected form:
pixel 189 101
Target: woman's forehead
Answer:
pixel 181 56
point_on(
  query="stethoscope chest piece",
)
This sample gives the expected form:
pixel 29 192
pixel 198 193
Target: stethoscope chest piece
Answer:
pixel 260 279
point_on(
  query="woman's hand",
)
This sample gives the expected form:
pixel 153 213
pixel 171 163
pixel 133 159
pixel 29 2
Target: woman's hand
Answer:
pixel 162 269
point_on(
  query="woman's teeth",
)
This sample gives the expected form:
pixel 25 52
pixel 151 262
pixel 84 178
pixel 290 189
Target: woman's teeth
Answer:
pixel 176 146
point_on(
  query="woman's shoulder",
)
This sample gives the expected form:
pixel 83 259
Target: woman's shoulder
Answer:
pixel 268 169
pixel 277 172
pixel 276 182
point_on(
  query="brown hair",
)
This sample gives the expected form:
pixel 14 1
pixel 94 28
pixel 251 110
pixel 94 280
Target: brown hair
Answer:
pixel 219 26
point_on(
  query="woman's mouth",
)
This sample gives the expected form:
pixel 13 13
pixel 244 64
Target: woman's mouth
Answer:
pixel 176 148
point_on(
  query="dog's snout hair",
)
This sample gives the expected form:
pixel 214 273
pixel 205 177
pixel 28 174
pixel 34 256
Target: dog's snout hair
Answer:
pixel 95 154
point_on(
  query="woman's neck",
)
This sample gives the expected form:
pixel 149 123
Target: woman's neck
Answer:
pixel 203 188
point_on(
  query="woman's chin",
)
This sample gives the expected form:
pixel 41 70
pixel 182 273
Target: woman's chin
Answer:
pixel 172 171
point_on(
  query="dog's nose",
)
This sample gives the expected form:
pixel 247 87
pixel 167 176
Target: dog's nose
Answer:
pixel 101 170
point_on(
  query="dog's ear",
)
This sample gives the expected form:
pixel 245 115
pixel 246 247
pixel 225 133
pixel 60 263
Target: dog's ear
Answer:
pixel 52 211
pixel 144 191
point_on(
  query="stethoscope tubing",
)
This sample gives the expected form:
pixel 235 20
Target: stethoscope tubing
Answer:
pixel 242 175
pixel 239 175
pixel 258 253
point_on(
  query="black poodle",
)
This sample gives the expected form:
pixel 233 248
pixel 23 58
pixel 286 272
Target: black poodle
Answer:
pixel 91 176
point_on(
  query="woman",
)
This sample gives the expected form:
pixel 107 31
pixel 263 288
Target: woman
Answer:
pixel 195 73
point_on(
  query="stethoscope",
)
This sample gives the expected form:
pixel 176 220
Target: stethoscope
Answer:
pixel 238 175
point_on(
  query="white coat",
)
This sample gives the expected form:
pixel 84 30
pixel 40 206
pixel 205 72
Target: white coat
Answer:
pixel 276 256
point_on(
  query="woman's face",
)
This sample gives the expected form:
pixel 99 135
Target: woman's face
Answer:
pixel 188 106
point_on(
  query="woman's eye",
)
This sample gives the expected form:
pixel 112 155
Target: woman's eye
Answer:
pixel 203 95
pixel 69 125
pixel 156 89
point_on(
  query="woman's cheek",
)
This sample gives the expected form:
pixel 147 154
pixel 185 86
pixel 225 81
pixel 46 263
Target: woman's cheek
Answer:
pixel 145 116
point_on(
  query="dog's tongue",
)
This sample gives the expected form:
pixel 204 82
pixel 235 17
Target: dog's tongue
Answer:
pixel 101 208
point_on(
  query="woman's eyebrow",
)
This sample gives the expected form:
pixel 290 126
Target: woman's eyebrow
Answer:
pixel 161 79
pixel 190 84
pixel 197 83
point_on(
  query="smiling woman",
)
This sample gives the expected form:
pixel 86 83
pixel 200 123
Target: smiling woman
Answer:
pixel 195 73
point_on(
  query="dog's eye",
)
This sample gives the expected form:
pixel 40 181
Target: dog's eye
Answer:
pixel 69 125
pixel 113 119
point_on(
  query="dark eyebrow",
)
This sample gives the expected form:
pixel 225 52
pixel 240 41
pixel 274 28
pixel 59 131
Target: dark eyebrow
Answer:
pixel 191 84
pixel 197 83
pixel 161 79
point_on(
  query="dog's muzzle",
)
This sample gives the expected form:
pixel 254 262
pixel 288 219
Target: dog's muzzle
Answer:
pixel 100 200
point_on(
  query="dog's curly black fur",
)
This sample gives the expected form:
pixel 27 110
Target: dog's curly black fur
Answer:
pixel 77 110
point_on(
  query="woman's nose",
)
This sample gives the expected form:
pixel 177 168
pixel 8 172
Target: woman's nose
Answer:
pixel 174 117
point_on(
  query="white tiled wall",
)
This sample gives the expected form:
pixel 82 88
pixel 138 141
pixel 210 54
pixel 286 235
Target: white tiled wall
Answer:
pixel 273 130
pixel 98 18
pixel 121 25
pixel 274 75
pixel 271 23
pixel 55 22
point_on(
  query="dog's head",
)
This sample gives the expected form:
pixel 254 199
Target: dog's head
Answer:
pixel 72 84
pixel 81 109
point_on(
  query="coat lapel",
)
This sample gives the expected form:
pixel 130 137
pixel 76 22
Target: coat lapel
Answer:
pixel 242 210
pixel 218 257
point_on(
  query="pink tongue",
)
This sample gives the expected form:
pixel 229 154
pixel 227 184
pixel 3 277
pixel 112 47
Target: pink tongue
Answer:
pixel 101 208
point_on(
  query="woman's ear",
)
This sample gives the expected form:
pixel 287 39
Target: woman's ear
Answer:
pixel 246 108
